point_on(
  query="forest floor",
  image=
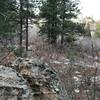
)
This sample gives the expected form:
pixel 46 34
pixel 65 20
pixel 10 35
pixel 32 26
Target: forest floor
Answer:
pixel 79 68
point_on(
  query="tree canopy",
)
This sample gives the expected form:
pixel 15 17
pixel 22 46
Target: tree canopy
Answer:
pixel 58 15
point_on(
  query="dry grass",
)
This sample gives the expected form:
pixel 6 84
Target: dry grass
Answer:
pixel 50 54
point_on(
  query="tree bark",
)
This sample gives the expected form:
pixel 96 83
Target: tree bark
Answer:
pixel 27 3
pixel 21 26
pixel 63 20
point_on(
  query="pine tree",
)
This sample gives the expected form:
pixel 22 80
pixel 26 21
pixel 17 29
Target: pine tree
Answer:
pixel 26 12
pixel 58 15
pixel 68 9
pixel 29 7
pixel 50 28
pixel 21 25
pixel 8 14
pixel 14 16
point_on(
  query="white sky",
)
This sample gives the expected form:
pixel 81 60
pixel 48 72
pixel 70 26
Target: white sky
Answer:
pixel 91 8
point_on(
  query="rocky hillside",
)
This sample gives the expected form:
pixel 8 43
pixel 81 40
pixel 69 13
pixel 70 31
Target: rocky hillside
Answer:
pixel 29 79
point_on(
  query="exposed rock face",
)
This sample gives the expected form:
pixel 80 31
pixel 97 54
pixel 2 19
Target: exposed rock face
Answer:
pixel 13 86
pixel 29 79
pixel 42 79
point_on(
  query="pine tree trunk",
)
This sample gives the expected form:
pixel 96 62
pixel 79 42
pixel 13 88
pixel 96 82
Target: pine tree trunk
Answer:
pixel 27 27
pixel 21 27
pixel 63 20
pixel 62 39
pixel 62 35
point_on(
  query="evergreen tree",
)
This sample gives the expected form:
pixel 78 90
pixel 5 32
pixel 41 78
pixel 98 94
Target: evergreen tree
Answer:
pixel 26 13
pixel 29 10
pixel 8 14
pixel 27 16
pixel 14 17
pixel 49 12
pixel 68 9
pixel 58 15
pixel 21 24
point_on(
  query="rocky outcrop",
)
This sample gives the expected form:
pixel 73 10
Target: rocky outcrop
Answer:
pixel 13 86
pixel 42 79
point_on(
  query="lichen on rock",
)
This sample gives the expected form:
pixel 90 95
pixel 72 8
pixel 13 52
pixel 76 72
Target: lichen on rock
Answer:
pixel 41 77
pixel 13 86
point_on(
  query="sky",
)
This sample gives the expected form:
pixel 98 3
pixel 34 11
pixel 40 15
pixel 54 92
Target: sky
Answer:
pixel 91 8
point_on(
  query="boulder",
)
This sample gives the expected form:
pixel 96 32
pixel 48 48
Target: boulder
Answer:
pixel 13 86
pixel 43 79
